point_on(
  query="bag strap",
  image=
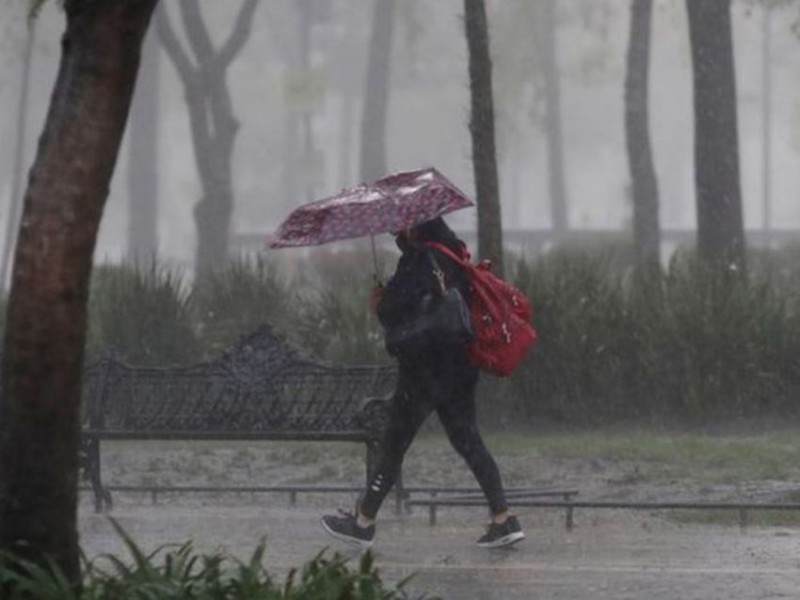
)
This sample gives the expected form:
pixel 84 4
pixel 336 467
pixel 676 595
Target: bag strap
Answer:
pixel 437 270
pixel 483 291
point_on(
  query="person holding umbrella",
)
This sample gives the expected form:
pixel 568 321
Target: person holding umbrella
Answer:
pixel 435 377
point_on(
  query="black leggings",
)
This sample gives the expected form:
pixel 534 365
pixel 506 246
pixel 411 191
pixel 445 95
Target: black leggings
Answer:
pixel 446 385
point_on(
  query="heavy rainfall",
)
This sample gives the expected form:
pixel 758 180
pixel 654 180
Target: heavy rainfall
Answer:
pixel 229 232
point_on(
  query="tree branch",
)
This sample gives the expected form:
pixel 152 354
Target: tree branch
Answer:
pixel 166 34
pixel 197 32
pixel 240 33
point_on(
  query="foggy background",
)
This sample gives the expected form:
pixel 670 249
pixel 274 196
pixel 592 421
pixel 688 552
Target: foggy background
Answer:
pixel 429 112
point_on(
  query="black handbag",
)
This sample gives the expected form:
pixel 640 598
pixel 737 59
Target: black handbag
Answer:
pixel 441 318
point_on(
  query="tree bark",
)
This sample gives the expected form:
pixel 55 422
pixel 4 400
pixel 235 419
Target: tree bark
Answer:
pixel 143 148
pixel 484 154
pixel 211 119
pixel 720 228
pixel 376 92
pixel 46 329
pixel 548 44
pixel 646 231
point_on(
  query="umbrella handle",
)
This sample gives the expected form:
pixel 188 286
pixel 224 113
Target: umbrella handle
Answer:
pixel 374 260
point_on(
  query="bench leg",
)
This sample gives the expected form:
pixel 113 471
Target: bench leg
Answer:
pixel 400 494
pixel 91 470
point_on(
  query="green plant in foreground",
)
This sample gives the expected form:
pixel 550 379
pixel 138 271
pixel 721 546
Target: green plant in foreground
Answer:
pixel 176 573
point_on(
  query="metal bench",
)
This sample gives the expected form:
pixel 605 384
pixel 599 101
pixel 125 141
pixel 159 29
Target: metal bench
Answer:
pixel 260 389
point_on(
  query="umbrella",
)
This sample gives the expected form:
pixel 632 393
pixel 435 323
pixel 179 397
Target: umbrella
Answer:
pixel 393 203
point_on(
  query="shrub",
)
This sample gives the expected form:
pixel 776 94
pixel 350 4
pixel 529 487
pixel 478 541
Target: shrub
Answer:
pixel 143 314
pixel 579 315
pixel 337 325
pixel 335 322
pixel 234 300
pixel 694 341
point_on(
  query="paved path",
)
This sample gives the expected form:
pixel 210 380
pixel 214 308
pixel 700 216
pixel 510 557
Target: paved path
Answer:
pixel 609 554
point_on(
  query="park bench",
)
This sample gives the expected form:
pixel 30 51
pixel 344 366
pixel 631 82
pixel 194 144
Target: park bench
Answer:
pixel 260 389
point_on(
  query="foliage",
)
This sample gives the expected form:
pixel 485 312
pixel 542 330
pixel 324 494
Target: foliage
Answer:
pixel 142 313
pixel 336 322
pixel 178 573
pixel 693 342
pixel 688 342
pixel 231 301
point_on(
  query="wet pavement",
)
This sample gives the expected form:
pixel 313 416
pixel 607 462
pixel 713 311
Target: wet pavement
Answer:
pixel 609 554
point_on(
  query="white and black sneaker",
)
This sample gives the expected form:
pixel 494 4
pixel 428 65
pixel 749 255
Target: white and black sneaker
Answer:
pixel 504 534
pixel 347 529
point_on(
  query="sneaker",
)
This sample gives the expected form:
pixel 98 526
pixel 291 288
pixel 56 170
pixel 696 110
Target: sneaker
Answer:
pixel 505 534
pixel 347 529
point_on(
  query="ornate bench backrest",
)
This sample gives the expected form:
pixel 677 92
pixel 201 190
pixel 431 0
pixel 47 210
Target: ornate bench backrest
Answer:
pixel 259 385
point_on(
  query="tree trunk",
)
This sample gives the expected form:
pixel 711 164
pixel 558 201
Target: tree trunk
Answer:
pixel 143 157
pixel 376 92
pixel 211 119
pixel 548 44
pixel 720 228
pixel 646 232
pixel 484 155
pixel 46 329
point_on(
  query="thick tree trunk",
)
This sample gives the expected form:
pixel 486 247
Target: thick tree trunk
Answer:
pixel 548 43
pixel 376 92
pixel 143 157
pixel 720 228
pixel 484 155
pixel 646 231
pixel 46 329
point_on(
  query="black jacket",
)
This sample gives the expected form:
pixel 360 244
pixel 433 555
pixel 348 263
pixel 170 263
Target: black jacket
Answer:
pixel 414 278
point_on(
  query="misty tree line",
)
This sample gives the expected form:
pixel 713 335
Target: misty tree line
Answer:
pixel 45 331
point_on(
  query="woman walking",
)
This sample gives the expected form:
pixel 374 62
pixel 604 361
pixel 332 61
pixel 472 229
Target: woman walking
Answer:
pixel 432 377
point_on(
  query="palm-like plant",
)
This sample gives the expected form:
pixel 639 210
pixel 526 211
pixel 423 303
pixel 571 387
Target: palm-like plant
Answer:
pixel 143 314
pixel 236 299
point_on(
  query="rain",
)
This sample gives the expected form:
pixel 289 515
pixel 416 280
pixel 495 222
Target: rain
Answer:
pixel 170 288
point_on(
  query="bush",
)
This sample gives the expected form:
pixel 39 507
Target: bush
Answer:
pixel 232 301
pixel 582 354
pixel 177 573
pixel 690 341
pixel 143 314
pixel 335 322
pixel 694 341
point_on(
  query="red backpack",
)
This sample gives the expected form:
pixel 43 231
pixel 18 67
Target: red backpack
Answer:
pixel 501 316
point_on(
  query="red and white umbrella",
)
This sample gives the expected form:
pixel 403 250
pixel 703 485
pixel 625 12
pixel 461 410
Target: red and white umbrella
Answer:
pixel 388 205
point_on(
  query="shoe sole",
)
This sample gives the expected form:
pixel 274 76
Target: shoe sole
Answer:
pixel 346 538
pixel 506 540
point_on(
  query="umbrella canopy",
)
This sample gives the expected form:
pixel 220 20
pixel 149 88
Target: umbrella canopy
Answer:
pixel 388 205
